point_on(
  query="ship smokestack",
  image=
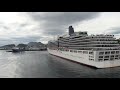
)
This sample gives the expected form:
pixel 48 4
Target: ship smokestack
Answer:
pixel 71 30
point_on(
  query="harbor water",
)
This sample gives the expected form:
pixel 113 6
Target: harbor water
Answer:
pixel 40 64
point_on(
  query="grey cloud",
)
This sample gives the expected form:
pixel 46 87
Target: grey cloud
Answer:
pixel 17 25
pixel 5 27
pixel 5 41
pixel 26 39
pixel 54 31
pixel 17 40
pixel 50 23
pixel 24 24
pixel 56 22
pixel 64 17
pixel 114 30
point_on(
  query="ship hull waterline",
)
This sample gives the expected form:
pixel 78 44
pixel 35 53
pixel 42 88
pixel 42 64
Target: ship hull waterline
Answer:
pixel 97 65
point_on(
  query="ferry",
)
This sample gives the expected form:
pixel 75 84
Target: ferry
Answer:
pixel 16 49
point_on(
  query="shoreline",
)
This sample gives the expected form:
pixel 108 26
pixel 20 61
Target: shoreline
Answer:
pixel 22 50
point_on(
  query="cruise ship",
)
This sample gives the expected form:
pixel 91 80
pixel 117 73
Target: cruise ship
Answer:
pixel 99 51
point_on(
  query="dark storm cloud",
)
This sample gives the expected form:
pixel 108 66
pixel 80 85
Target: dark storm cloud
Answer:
pixel 56 22
pixel 46 23
pixel 114 30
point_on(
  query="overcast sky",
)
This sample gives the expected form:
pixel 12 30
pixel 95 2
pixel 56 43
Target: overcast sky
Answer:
pixel 24 27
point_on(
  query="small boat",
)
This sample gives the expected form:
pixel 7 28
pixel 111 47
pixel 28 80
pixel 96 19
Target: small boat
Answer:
pixel 16 49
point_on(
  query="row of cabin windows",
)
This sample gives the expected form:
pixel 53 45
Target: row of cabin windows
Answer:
pixel 86 40
pixel 101 37
pixel 108 52
pixel 103 40
pixel 91 59
pixel 84 52
pixel 112 56
pixel 91 56
pixel 84 43
pixel 98 39
pixel 89 45
pixel 108 59
pixel 64 50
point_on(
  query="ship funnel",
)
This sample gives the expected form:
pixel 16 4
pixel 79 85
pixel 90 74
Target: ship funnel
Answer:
pixel 71 30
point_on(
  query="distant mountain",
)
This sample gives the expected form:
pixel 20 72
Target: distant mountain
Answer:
pixel 22 45
pixel 9 46
pixel 29 46
pixel 36 45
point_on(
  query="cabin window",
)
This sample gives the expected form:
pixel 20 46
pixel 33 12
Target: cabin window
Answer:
pixel 116 56
pixel 79 51
pixel 75 51
pixel 112 52
pixel 101 53
pixel 66 50
pixel 100 56
pixel 117 52
pixel 91 56
pixel 71 50
pixel 85 52
pixel 106 56
pixel 90 52
pixel 107 52
pixel 106 59
pixel 91 59
pixel 111 58
pixel 100 59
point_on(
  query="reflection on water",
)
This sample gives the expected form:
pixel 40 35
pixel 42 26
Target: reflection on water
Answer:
pixel 40 64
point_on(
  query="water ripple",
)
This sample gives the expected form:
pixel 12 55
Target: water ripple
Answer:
pixel 40 64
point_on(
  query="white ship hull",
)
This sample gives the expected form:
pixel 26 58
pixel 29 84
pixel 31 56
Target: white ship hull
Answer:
pixel 85 58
